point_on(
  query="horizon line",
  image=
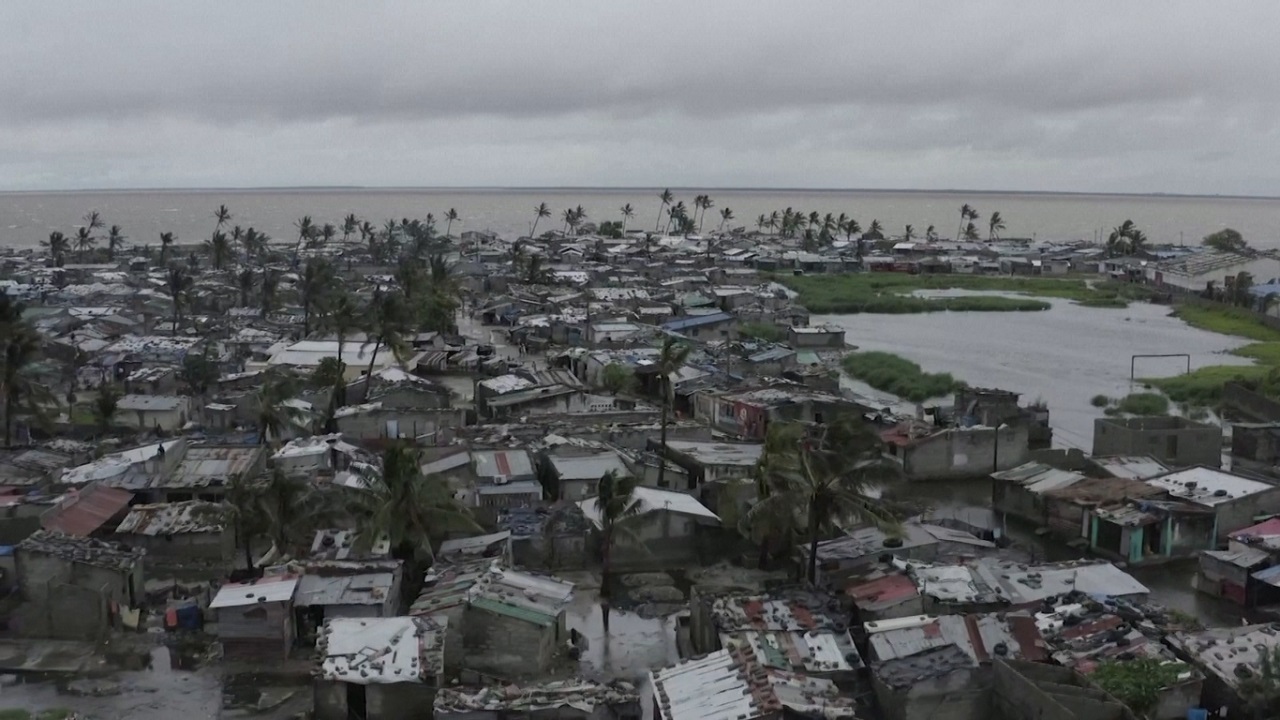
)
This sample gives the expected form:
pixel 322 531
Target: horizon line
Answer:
pixel 625 188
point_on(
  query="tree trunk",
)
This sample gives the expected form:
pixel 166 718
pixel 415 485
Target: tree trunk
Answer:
pixel 607 540
pixel 813 546
pixel 372 359
pixel 8 420
pixel 662 452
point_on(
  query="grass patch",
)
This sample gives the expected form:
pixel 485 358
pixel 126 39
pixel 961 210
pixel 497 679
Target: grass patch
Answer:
pixel 1203 386
pixel 1144 403
pixel 1137 683
pixel 15 714
pixel 1267 353
pixel 1227 320
pixel 762 331
pixel 899 376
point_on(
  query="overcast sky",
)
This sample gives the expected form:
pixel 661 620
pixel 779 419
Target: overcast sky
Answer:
pixel 1135 96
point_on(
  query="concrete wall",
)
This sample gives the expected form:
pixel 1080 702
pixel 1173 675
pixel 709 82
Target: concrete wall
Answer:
pixel 506 646
pixel 967 453
pixel 398 701
pixel 408 423
pixel 217 546
pixel 1240 512
pixel 70 600
pixel 1028 691
pixel 1174 441
pixel 958 695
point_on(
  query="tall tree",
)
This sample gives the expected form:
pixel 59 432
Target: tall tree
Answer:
pixel 388 322
pixel 21 389
pixel 270 409
pixel 449 216
pixel 58 246
pixel 166 246
pixel 726 214
pixel 409 509
pixel 965 210
pixel 664 198
pixel 1226 240
pixel 219 247
pixel 316 280
pixel 245 280
pixel 221 217
pixel 670 359
pixel 178 283
pixel 105 405
pixel 994 226
pixel 349 225
pixel 628 212
pixel 909 234
pixel 115 241
pixel 931 233
pixel 267 290
pixel 831 479
pixel 344 319
pixel 542 211
pixel 84 241
pixel 971 232
pixel 614 502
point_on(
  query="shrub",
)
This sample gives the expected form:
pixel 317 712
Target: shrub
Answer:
pixel 1100 401
pixel 1144 403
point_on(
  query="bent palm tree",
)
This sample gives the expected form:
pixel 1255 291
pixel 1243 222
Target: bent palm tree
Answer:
pixel 178 283
pixel 628 212
pixel 542 211
pixel 965 210
pixel 317 278
pixel 115 241
pixel 994 226
pixel 219 247
pixel 726 214
pixel 344 319
pixel 221 217
pixel 665 197
pixel 58 246
pixel 671 358
pixel 166 245
pixel 22 391
pixel 84 241
pixel 271 411
pixel 449 217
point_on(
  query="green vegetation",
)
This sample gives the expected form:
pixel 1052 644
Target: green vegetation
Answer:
pixel 897 375
pixel 762 331
pixel 1144 403
pixel 1099 401
pixel 1227 320
pixel 22 714
pixel 891 292
pixel 1137 683
pixel 1203 386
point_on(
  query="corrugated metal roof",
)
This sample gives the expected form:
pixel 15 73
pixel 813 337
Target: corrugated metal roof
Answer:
pixel 1208 486
pixel 528 615
pixel 265 590
pixel 707 688
pixel 649 499
pixel 389 650
pixel 513 464
pixel 80 512
pixel 588 467
pixel 193 516
pixel 1038 477
pixel 358 589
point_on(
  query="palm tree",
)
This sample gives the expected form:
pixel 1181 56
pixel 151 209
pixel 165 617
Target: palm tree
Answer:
pixel 409 509
pixel 105 405
pixel 665 197
pixel 971 232
pixel 761 222
pixel 908 234
pixel 289 504
pixel 775 527
pixel 245 280
pixel 178 283
pixel 829 479
pixel 449 217
pixel 994 226
pixel 246 515
pixel 569 219
pixel 166 244
pixel 344 319
pixel 271 411
pixel 707 204
pixel 388 322
pixel 851 228
pixel 254 242
pixel 327 233
pixel 316 280
pixel 58 246
pixel 964 216
pixel 219 247
pixel 221 217
pixel 22 391
pixel 772 222
pixel 270 283
pixel 930 234
pixel 84 241
pixel 726 214
pixel 876 230
pixel 628 212
pixel 306 231
pixel 93 221
pixel 540 212
pixel 349 225
pixel 672 357
pixel 115 241
pixel 614 502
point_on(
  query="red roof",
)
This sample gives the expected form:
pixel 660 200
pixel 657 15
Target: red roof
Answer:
pixel 1262 529
pixel 886 589
pixel 81 512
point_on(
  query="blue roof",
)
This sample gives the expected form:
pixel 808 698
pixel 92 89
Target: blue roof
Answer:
pixel 697 321
pixel 1269 575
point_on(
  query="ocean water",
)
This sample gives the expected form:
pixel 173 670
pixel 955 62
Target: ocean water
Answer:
pixel 28 217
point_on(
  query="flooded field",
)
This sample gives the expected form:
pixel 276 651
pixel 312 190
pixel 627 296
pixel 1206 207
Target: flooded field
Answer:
pixel 1065 355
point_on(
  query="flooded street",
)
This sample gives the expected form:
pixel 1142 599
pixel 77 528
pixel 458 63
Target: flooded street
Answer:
pixel 1065 355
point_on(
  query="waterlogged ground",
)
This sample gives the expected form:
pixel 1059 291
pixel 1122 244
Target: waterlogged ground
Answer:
pixel 1065 355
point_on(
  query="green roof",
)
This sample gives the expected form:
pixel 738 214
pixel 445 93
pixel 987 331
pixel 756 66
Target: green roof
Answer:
pixel 519 613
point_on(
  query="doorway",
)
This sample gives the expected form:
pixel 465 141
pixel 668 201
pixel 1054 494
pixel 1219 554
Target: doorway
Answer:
pixel 357 699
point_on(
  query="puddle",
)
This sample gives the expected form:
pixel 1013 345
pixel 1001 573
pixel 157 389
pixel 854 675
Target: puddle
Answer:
pixel 633 646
